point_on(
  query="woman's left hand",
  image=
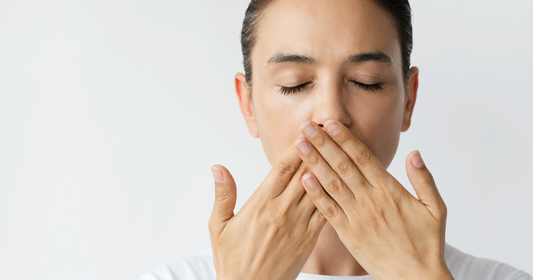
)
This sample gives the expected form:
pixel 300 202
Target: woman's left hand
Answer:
pixel 392 234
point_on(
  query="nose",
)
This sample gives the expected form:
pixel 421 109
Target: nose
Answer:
pixel 330 104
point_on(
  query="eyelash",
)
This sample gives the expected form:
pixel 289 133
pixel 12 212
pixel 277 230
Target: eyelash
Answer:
pixel 291 90
pixel 366 87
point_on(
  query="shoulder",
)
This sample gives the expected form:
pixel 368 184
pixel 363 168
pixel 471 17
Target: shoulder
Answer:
pixel 193 267
pixel 465 266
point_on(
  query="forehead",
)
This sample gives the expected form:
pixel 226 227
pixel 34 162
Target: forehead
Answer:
pixel 327 30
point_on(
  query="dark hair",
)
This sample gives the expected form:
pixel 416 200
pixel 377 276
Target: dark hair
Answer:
pixel 400 10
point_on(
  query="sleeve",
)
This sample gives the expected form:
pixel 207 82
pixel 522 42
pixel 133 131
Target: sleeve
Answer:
pixel 466 267
pixel 519 275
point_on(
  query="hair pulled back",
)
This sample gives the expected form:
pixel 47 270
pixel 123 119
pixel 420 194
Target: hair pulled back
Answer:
pixel 399 9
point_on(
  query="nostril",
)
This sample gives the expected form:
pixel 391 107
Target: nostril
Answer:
pixel 321 125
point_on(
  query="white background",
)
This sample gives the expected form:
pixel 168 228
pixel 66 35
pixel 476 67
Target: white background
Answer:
pixel 112 112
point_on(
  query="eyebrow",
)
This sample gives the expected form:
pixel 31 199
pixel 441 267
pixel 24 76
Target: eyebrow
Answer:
pixel 354 58
pixel 294 58
pixel 371 56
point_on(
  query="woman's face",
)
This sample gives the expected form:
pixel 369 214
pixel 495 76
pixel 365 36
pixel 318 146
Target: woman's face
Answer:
pixel 316 60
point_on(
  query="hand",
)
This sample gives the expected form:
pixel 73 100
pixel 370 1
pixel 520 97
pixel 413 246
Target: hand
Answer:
pixel 389 232
pixel 273 234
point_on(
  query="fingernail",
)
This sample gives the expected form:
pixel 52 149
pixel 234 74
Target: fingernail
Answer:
pixel 332 128
pixel 308 129
pixel 417 160
pixel 309 180
pixel 303 145
pixel 217 174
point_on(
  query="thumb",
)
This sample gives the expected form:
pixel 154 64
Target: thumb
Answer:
pixel 225 198
pixel 424 185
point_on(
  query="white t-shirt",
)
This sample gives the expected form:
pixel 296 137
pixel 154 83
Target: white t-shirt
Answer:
pixel 461 265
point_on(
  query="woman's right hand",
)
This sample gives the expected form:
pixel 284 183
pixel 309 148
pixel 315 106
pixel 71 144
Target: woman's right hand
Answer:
pixel 273 234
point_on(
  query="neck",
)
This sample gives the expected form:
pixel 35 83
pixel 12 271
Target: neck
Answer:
pixel 330 257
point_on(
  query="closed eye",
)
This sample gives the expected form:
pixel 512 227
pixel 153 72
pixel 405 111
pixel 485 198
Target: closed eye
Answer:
pixel 298 88
pixel 367 87
pixel 291 90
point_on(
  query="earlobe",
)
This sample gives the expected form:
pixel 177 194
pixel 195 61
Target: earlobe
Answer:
pixel 244 96
pixel 411 91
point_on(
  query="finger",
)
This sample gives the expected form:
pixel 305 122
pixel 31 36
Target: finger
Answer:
pixel 328 208
pixel 337 158
pixel 225 199
pixel 281 173
pixel 424 185
pixel 363 158
pixel 306 204
pixel 330 180
pixel 316 222
pixel 294 191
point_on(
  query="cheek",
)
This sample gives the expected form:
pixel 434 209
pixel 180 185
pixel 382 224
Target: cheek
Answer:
pixel 378 126
pixel 278 120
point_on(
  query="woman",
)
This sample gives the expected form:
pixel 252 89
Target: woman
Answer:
pixel 328 88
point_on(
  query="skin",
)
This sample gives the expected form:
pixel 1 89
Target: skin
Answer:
pixel 329 206
pixel 338 30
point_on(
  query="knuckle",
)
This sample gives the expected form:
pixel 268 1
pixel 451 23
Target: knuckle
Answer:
pixel 222 195
pixel 335 186
pixel 285 168
pixel 330 211
pixel 363 158
pixel 344 166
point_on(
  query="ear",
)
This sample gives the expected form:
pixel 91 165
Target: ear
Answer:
pixel 244 95
pixel 411 89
